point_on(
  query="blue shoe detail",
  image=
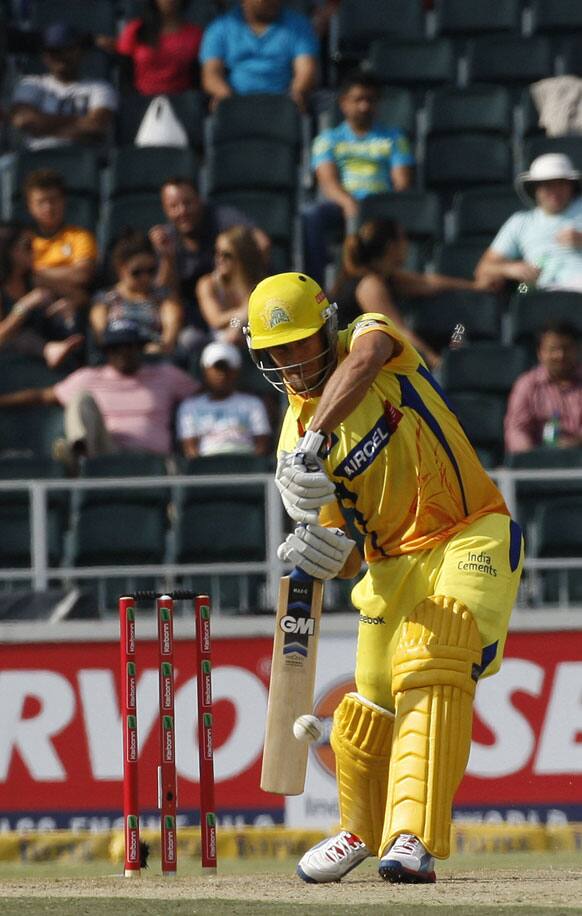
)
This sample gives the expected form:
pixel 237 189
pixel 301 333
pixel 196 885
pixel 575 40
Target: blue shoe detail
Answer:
pixel 394 871
pixel 305 877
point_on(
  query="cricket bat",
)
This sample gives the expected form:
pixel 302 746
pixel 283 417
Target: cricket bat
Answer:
pixel 292 681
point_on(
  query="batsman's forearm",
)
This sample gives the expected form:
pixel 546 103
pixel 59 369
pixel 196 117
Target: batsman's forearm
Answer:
pixel 343 392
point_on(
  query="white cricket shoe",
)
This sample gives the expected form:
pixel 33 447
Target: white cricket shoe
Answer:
pixel 331 859
pixel 407 862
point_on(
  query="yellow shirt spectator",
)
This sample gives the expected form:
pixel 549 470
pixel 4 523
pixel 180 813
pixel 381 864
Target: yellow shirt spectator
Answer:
pixel 68 246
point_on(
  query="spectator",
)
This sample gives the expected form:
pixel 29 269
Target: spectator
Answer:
pixel 223 295
pixel 64 257
pixel 356 159
pixel 185 244
pixel 542 246
pixel 373 279
pixel 60 108
pixel 222 419
pixel 25 310
pixel 264 47
pixel 137 297
pixel 162 46
pixel 545 404
pixel 121 406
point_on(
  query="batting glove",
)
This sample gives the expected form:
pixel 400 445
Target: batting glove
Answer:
pixel 301 480
pixel 320 552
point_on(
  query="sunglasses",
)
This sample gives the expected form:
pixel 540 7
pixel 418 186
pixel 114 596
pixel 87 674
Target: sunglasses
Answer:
pixel 143 272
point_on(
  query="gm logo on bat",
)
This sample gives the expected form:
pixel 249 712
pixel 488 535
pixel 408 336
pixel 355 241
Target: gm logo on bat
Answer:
pixel 304 626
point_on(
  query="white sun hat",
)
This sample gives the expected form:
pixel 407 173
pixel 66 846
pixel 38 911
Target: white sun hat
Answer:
pixel 549 167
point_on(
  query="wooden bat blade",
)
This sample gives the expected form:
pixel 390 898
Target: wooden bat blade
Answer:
pixel 292 682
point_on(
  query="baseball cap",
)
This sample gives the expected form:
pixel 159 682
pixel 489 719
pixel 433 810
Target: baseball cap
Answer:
pixel 122 331
pixel 218 352
pixel 60 35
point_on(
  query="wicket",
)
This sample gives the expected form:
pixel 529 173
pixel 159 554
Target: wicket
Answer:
pixel 167 782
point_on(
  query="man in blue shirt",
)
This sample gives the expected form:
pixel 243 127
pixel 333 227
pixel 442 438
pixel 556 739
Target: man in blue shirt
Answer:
pixel 259 46
pixel 357 158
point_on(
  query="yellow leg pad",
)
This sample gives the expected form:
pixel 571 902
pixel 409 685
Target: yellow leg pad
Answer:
pixel 433 688
pixel 361 739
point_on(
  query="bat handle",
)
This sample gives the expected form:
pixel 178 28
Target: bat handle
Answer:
pixel 299 575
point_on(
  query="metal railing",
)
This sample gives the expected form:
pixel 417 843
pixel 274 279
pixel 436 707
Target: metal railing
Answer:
pixel 41 572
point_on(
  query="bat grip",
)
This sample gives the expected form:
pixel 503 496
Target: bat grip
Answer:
pixel 299 575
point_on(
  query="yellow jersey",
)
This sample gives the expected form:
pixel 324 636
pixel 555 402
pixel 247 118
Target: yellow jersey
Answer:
pixel 406 476
pixel 67 247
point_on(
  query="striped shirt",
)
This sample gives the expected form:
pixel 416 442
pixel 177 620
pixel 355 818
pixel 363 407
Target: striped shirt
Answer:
pixel 534 400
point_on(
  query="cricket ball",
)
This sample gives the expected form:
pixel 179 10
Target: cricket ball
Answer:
pixel 307 729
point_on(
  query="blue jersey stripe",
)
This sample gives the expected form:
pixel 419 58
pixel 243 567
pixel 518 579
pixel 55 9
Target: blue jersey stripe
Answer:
pixel 411 398
pixel 515 538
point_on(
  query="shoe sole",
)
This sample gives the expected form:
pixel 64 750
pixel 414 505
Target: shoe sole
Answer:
pixel 309 880
pixel 395 872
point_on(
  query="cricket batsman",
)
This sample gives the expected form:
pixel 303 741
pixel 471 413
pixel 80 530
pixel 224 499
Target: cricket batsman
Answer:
pixel 370 443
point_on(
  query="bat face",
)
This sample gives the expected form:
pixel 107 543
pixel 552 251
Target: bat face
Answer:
pixel 292 682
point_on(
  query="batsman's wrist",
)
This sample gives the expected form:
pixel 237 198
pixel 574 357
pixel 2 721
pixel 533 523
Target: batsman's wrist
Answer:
pixel 314 442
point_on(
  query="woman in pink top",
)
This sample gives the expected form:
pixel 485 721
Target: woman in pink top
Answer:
pixel 163 48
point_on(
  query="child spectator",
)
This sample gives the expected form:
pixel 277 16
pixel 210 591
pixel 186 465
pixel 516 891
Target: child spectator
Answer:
pixel 223 295
pixel 64 257
pixel 59 108
pixel 25 310
pixel 137 297
pixel 162 46
pixel 222 419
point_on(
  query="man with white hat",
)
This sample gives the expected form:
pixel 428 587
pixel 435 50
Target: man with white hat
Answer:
pixel 222 419
pixel 541 247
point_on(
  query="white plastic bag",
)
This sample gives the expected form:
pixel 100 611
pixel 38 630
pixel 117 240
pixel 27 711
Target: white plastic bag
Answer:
pixel 160 126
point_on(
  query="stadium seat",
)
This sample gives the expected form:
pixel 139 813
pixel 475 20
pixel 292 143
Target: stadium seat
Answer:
pixel 537 146
pixel 95 65
pixel 559 528
pixel 458 259
pixel 556 17
pixel 435 318
pixel 18 371
pixel 530 494
pixel 529 312
pixel 116 534
pixel 189 108
pixel 481 416
pixel 15 549
pixel 458 160
pixel 478 213
pixel 30 429
pixel 571 52
pixel 201 12
pixel 254 164
pixel 267 116
pixel 419 212
pixel 357 24
pixel 509 60
pixel 271 211
pixel 227 464
pixel 135 211
pixel 458 18
pixel 139 169
pixel 124 464
pixel 483 366
pixel 78 166
pixel 416 65
pixel 220 530
pixel 529 116
pixel 97 18
pixel 482 108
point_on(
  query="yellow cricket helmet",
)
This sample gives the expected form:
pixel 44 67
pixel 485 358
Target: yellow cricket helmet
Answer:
pixel 285 308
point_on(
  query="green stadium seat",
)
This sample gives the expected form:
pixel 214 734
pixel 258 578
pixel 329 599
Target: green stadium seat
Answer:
pixel 15 548
pixel 435 318
pixel 458 18
pixel 270 210
pixel 420 212
pixel 531 494
pixel 529 116
pixel 396 108
pixel 78 166
pixel 571 52
pixel 98 18
pixel 509 60
pixel 479 213
pixel 483 366
pixel 416 65
pixel 475 108
pixel 358 24
pixel 220 530
pixel 481 416
pixel 458 259
pixel 201 12
pixel 18 371
pixel 141 169
pixel 459 160
pixel 134 211
pixel 124 464
pixel 116 534
pixel 556 17
pixel 252 164
pixel 537 146
pixel 270 116
pixel 30 430
pixel 530 312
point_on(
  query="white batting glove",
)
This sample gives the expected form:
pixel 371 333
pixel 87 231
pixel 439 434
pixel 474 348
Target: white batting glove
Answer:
pixel 301 480
pixel 320 552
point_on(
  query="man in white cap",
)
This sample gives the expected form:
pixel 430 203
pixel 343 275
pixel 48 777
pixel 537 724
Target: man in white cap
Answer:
pixel 541 247
pixel 222 419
